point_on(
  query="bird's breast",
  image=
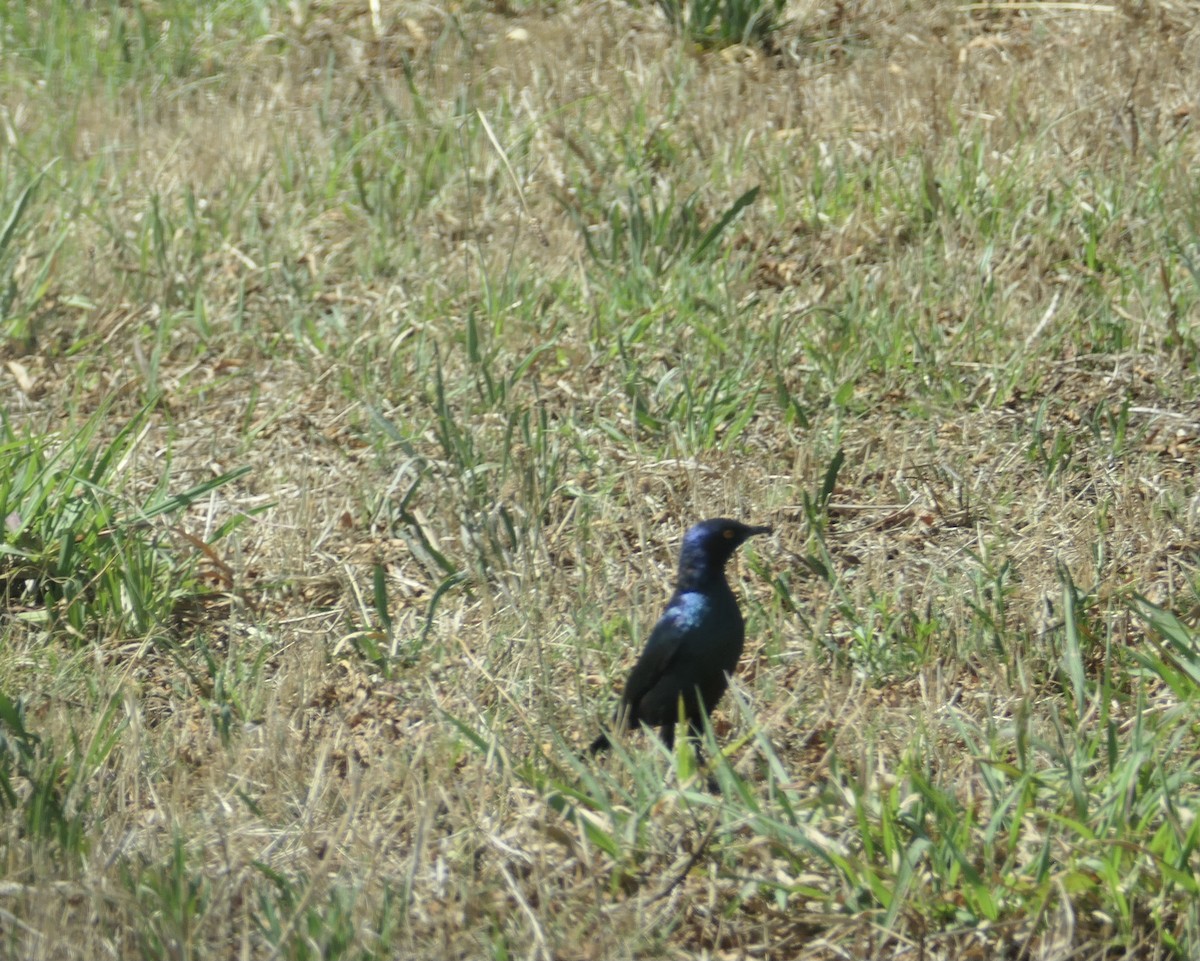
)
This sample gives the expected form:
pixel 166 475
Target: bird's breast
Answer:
pixel 691 610
pixel 714 614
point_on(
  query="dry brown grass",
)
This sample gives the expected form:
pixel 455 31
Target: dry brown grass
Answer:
pixel 344 804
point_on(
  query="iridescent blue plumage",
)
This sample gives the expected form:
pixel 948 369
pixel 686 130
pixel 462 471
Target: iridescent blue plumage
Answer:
pixel 688 611
pixel 696 643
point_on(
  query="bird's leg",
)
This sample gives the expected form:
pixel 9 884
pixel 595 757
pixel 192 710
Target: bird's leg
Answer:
pixel 710 780
pixel 696 737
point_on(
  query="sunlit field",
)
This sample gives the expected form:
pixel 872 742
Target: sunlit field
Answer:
pixel 363 364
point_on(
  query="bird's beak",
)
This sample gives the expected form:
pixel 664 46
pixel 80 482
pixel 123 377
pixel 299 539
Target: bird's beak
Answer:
pixel 765 529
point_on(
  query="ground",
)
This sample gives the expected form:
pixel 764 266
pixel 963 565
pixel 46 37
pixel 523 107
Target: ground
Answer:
pixel 362 365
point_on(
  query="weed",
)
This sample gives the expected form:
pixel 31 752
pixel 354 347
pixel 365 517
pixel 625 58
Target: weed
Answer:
pixel 74 554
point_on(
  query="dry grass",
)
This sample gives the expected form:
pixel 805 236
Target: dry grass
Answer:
pixel 474 441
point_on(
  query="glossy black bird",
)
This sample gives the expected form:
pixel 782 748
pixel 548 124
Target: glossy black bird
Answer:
pixel 695 645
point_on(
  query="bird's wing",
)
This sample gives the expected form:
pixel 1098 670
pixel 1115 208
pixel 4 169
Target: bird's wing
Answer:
pixel 665 642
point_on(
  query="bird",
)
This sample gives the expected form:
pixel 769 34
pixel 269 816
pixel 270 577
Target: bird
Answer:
pixel 696 644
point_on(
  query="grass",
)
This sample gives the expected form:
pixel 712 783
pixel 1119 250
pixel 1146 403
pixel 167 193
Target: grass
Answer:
pixel 360 370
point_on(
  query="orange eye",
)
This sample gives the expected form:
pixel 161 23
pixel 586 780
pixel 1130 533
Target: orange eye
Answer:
pixel 729 535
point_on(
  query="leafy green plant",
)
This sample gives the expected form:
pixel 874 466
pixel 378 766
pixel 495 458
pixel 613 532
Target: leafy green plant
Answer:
pixel 302 920
pixel 1053 454
pixel 887 640
pixel 46 786
pixel 649 234
pixel 74 553
pixel 722 23
pixel 119 44
pixel 1175 660
pixel 991 584
pixel 18 234
pixel 173 897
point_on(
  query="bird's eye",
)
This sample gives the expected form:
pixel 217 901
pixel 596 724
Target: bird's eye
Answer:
pixel 729 535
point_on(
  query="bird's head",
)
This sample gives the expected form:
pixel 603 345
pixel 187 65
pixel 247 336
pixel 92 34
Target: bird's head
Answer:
pixel 708 545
